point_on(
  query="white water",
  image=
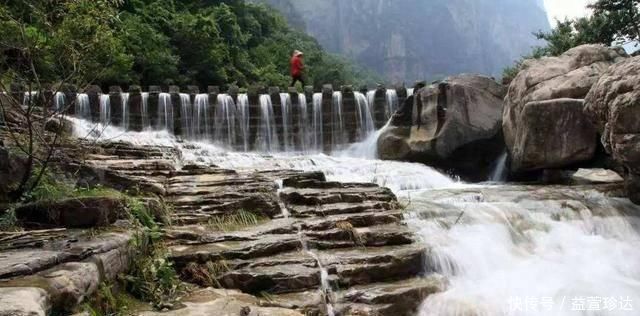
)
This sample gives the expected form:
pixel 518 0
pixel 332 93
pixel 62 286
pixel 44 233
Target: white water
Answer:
pixel 499 173
pixel 503 254
pixel 200 121
pixel 58 101
pixel 125 110
pixel 165 112
pixel 505 248
pixel 186 115
pixel 105 109
pixel 325 289
pixel 82 108
pixel 145 110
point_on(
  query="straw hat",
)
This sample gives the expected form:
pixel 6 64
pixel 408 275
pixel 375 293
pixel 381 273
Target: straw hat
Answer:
pixel 297 53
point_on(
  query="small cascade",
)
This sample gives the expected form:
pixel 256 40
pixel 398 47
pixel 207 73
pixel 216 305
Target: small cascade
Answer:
pixel 283 206
pixel 318 137
pixel 82 108
pixel 371 98
pixel 392 102
pixel 267 139
pixel 165 112
pixel 225 121
pixel 285 101
pixel 201 128
pixel 29 97
pixel 500 173
pixel 409 92
pixel 58 101
pixel 304 130
pixel 125 110
pixel 365 119
pixel 325 288
pixel 145 110
pixel 186 115
pixel 242 110
pixel 105 109
pixel 337 124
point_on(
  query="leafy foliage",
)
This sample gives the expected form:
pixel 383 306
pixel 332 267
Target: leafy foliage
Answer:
pixel 151 42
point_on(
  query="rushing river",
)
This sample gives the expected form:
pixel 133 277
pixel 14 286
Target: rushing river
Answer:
pixel 505 249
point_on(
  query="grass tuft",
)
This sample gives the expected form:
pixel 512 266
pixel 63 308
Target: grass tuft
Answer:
pixel 235 221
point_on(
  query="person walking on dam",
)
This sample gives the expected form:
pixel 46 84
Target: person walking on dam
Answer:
pixel 297 68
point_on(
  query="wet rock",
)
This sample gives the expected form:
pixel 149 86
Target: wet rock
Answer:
pixel 589 176
pixel 69 272
pixel 23 302
pixel 552 133
pixel 613 104
pixel 83 212
pixel 401 298
pixel 535 137
pixel 274 279
pixel 454 124
pixel 21 262
pixel 58 125
pixel 12 168
pixel 223 303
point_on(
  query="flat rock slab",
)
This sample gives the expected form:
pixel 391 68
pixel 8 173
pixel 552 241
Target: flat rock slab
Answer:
pixel 210 302
pixel 21 262
pixel 593 176
pixel 28 301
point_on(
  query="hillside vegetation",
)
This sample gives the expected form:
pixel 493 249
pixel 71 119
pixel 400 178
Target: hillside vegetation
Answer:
pixel 160 42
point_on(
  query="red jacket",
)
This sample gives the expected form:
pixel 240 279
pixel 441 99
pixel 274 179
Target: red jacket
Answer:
pixel 296 66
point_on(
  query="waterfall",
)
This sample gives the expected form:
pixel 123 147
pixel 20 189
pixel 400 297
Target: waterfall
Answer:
pixel 125 110
pixel 28 98
pixel 499 173
pixel 285 103
pixel 243 119
pixel 409 92
pixel 392 102
pixel 201 126
pixel 325 288
pixel 58 101
pixel 145 110
pixel 165 112
pixel 365 119
pixel 303 121
pixel 337 124
pixel 267 139
pixel 82 108
pixel 371 98
pixel 105 109
pixel 318 137
pixel 225 121
pixel 186 116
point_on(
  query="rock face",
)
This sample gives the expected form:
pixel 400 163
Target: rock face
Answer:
pixel 543 124
pixel 613 104
pixel 452 124
pixel 397 38
pixel 83 212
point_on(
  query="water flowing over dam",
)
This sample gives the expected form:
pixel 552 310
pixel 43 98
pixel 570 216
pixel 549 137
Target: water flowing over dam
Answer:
pixel 270 122
pixel 496 246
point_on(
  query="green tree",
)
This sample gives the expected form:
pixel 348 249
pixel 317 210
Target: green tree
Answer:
pixel 45 45
pixel 619 18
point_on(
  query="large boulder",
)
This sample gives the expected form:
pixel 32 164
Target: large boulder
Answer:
pixel 613 104
pixel 454 124
pixel 543 124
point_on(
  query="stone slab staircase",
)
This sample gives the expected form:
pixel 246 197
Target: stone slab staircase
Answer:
pixel 320 247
